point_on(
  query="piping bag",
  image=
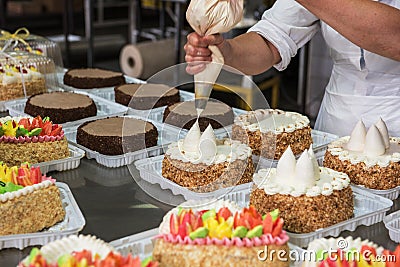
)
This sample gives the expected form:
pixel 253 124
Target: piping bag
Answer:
pixel 208 17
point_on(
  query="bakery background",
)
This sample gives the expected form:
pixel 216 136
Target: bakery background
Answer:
pixel 97 37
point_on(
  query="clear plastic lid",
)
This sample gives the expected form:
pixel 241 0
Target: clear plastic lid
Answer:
pixel 23 74
pixel 22 40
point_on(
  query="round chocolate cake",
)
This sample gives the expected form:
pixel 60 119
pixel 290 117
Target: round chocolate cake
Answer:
pixel 117 135
pixel 184 114
pixel 146 96
pixel 61 107
pixel 92 78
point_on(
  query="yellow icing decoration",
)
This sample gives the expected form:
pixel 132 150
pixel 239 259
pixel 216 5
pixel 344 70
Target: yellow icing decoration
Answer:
pixel 8 128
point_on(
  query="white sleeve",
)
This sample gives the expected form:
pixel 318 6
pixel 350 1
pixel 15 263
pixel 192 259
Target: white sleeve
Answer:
pixel 288 26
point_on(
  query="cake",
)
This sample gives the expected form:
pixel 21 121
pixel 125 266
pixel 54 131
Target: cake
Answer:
pixel 341 252
pixel 117 135
pixel 146 96
pixel 270 131
pixel 61 106
pixel 29 201
pixel 89 78
pixel 81 251
pixel 202 163
pixel 371 159
pixel 31 140
pixel 225 236
pixel 184 114
pixel 309 197
pixel 14 79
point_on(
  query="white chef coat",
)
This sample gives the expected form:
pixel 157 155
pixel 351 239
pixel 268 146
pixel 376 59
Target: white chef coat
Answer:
pixel 363 85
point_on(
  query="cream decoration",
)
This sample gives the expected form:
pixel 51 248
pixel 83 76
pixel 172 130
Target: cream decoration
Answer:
pixel 374 144
pixel 286 168
pixel 381 125
pixel 192 139
pixel 311 154
pixel 357 138
pixel 208 143
pixel 202 146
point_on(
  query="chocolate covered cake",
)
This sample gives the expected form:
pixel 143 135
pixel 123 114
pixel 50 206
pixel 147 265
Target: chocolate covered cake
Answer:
pixel 92 78
pixel 116 136
pixel 146 96
pixel 61 107
pixel 184 115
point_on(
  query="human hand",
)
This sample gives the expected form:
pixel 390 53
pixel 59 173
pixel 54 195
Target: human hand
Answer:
pixel 197 51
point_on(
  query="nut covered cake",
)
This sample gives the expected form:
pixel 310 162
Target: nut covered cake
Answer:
pixel 270 131
pixel 61 106
pixel 117 135
pixel 371 159
pixel 309 197
pixel 202 163
pixel 31 140
pixel 146 96
pixel 89 78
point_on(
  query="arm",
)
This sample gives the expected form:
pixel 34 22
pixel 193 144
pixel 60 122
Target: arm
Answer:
pixel 371 25
pixel 249 53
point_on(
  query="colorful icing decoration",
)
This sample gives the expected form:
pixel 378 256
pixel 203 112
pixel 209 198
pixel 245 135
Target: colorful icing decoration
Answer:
pixel 28 127
pixel 85 258
pixel 244 228
pixel 15 178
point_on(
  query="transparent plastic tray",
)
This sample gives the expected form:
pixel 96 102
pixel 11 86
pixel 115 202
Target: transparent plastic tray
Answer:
pixel 105 109
pixel 73 223
pixel 392 223
pixel 150 171
pixel 141 245
pixel 72 162
pixel 368 209
pixel 118 160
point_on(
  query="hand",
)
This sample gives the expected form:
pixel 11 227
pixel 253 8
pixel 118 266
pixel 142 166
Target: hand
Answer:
pixel 197 52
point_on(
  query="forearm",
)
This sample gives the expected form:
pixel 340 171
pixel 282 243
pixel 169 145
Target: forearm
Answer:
pixel 371 25
pixel 249 53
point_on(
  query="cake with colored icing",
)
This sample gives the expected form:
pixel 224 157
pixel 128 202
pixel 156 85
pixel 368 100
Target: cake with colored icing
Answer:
pixel 270 131
pixel 184 114
pixel 224 236
pixel 349 251
pixel 117 135
pixel 13 80
pixel 146 96
pixel 202 163
pixel 370 158
pixel 89 78
pixel 309 197
pixel 29 201
pixel 81 251
pixel 31 140
pixel 61 106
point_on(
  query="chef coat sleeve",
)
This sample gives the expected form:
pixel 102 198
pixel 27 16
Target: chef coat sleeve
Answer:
pixel 288 26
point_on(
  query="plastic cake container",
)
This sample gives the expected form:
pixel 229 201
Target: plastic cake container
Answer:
pixel 73 223
pixel 119 160
pixel 105 109
pixel 392 223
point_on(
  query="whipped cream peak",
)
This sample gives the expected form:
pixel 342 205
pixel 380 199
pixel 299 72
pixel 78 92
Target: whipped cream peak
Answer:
pixel 286 168
pixel 381 125
pixel 315 163
pixel 305 171
pixel 374 144
pixel 357 137
pixel 208 143
pixel 192 139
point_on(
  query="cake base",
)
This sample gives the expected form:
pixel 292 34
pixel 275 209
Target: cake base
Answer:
pixel 14 154
pixel 305 214
pixel 92 78
pixel 270 145
pixel 16 90
pixel 32 212
pixel 177 255
pixel 376 177
pixel 204 178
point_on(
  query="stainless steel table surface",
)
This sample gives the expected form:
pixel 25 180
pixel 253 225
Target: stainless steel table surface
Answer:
pixel 114 206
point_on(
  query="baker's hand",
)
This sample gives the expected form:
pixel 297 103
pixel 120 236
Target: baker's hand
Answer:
pixel 197 52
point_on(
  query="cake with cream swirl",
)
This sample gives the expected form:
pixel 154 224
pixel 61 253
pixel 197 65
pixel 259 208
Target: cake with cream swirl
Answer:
pixel 309 197
pixel 270 131
pixel 370 158
pixel 202 163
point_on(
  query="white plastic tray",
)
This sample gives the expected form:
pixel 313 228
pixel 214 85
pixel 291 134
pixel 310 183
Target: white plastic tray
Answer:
pixel 368 209
pixel 72 162
pixel 392 223
pixel 105 109
pixel 150 171
pixel 73 223
pixel 141 245
pixel 118 160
